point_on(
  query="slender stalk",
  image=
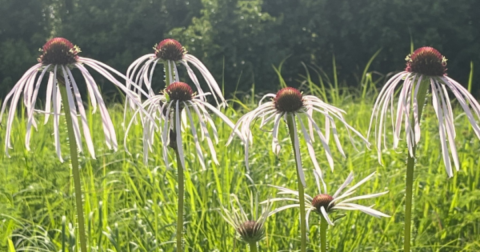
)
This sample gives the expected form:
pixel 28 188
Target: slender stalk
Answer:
pixel 75 166
pixel 422 92
pixel 168 70
pixel 180 176
pixel 180 201
pixel 301 193
pixel 323 234
pixel 408 201
pixel 253 247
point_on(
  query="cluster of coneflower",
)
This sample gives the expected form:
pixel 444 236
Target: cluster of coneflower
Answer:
pixel 178 108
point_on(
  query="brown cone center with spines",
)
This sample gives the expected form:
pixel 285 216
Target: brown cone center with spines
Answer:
pixel 288 100
pixel 251 231
pixel 322 200
pixel 179 91
pixel 169 49
pixel 427 61
pixel 59 51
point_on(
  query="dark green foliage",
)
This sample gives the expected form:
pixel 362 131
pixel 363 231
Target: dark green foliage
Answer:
pixel 23 30
pixel 313 31
pixel 240 41
pixel 118 32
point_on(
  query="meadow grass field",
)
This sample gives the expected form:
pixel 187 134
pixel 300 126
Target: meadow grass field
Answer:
pixel 132 207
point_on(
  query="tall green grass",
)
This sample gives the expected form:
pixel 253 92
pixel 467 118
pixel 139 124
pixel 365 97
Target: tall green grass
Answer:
pixel 132 207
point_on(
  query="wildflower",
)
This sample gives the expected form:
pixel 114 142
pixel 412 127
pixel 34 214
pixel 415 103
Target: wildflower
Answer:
pixel 59 57
pixel 179 101
pixel 425 67
pixel 248 226
pixel 324 203
pixel 290 102
pixel 170 52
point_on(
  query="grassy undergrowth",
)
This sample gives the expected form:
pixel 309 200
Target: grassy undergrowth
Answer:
pixel 132 207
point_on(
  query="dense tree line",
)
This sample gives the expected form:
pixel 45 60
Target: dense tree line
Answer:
pixel 240 41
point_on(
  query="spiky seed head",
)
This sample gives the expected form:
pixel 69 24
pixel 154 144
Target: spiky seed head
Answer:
pixel 179 91
pixel 169 49
pixel 288 100
pixel 322 200
pixel 59 51
pixel 251 231
pixel 427 61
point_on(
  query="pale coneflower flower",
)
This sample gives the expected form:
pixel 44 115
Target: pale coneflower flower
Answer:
pixel 168 108
pixel 59 57
pixel 169 113
pixel 324 203
pixel 291 103
pixel 169 52
pixel 425 67
pixel 249 226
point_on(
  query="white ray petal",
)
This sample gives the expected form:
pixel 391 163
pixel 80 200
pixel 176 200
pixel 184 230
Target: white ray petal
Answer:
pixel 325 216
pixel 296 147
pixel 49 95
pixel 367 210
pixel 83 116
pixel 195 139
pixel 443 141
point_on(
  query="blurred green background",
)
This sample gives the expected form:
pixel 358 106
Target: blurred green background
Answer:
pixel 240 41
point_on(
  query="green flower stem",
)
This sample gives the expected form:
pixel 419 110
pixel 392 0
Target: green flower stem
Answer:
pixel 253 246
pixel 422 92
pixel 323 234
pixel 408 201
pixel 75 166
pixel 301 193
pixel 180 201
pixel 180 177
pixel 168 68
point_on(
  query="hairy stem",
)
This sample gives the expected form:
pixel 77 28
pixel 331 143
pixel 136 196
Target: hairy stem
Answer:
pixel 301 194
pixel 323 234
pixel 168 72
pixel 180 201
pixel 75 166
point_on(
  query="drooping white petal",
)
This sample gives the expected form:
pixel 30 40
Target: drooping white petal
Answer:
pixel 193 77
pixel 296 147
pixel 367 210
pixel 318 179
pixel 203 127
pixel 57 100
pixel 449 127
pixel 283 208
pixel 83 115
pixel 15 92
pixel 49 95
pixel 73 110
pixel 178 134
pixel 212 84
pixel 351 189
pixel 465 99
pixel 345 184
pixel 108 129
pixel 328 153
pixel 30 109
pixel 367 196
pixel 195 139
pixel 325 216
pixel 275 143
pixel 441 129
pixel 310 149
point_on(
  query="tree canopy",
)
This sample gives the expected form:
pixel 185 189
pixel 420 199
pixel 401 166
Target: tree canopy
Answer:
pixel 240 41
